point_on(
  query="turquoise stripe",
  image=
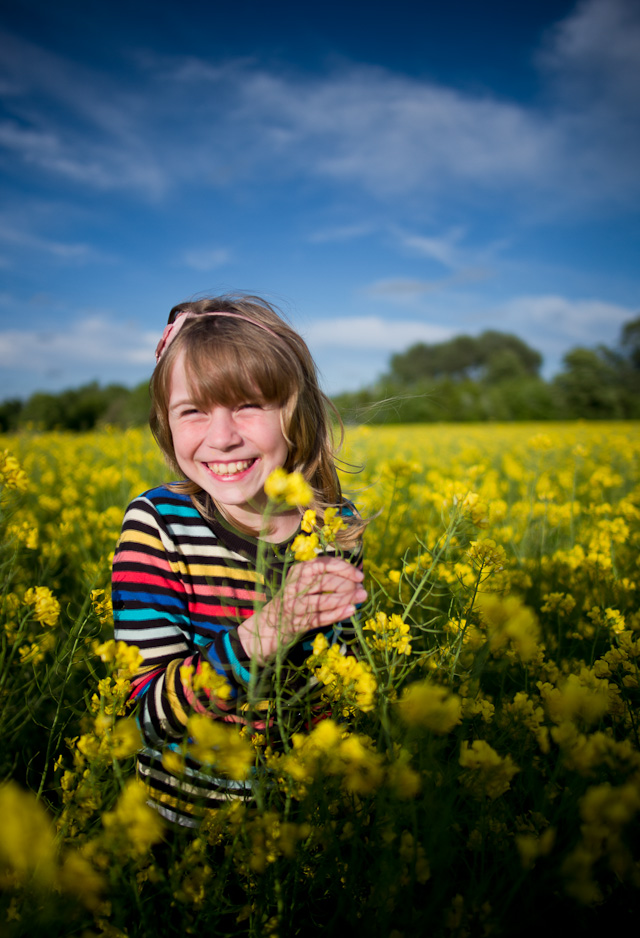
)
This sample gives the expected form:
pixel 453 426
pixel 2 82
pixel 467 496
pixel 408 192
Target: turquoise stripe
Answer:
pixel 241 672
pixel 169 508
pixel 146 615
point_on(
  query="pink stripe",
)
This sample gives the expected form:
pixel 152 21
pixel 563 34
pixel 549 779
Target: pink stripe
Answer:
pixel 207 610
pixel 149 579
pixel 208 589
pixel 134 556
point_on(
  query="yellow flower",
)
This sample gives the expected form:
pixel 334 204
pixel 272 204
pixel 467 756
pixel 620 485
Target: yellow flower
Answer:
pixel 582 696
pixel 530 846
pixel 220 745
pixel 347 680
pixel 173 762
pixel 125 658
pixel 486 553
pixel 306 546
pixel 133 821
pixel 308 521
pixel 125 738
pixel 509 621
pixel 12 475
pixel 430 706
pixel 332 523
pixel 488 773
pixel 291 488
pixel 389 632
pixel 46 606
pixel 209 680
pixel 27 846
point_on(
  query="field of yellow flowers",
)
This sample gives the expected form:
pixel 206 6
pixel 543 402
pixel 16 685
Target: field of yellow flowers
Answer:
pixel 480 772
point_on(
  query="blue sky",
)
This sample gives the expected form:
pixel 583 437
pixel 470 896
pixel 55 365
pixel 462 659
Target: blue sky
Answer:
pixel 386 173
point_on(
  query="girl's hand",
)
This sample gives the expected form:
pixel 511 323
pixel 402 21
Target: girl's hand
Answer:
pixel 316 593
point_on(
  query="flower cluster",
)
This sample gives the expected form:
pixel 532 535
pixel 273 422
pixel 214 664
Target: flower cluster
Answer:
pixel 347 681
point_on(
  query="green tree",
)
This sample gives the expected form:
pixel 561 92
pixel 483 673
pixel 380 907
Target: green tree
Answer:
pixel 491 356
pixel 589 385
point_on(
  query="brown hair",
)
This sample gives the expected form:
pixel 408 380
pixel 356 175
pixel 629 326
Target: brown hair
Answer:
pixel 229 360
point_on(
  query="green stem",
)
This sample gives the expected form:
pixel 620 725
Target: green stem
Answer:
pixel 78 627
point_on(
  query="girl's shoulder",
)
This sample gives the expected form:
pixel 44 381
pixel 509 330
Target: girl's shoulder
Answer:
pixel 166 492
pixel 164 502
pixel 348 509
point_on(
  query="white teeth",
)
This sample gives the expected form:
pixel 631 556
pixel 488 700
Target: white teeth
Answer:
pixel 229 468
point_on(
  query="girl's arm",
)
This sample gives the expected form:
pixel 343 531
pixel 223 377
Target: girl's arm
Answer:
pixel 151 611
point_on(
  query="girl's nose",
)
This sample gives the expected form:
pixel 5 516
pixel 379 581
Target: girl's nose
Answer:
pixel 222 432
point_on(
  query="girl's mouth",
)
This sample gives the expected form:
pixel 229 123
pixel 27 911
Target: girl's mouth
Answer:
pixel 230 470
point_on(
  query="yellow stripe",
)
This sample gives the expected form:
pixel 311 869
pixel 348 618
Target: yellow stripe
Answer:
pixel 139 537
pixel 174 702
pixel 170 800
pixel 195 569
pixel 231 573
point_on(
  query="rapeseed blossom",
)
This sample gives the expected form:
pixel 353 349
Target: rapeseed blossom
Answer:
pixel 488 773
pixel 46 607
pixel 133 824
pixel 12 475
pixel 390 633
pixel 290 488
pixel 509 622
pixel 346 680
pixel 306 546
pixel 219 745
pixel 430 706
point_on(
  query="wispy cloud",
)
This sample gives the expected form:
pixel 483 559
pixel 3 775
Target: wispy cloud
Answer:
pixel 555 322
pixel 445 248
pixel 14 234
pixel 579 146
pixel 204 259
pixel 410 292
pixel 373 332
pixel 94 340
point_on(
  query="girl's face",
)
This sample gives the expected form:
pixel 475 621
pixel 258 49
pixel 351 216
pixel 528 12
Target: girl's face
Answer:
pixel 228 452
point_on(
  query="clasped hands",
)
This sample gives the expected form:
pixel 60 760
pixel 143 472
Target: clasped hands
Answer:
pixel 316 593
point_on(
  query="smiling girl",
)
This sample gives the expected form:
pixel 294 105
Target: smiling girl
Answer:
pixel 202 573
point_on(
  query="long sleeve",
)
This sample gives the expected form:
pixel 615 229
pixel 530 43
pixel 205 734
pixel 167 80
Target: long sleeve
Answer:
pixel 164 605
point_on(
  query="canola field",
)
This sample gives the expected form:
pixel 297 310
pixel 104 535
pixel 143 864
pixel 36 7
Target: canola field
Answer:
pixel 478 772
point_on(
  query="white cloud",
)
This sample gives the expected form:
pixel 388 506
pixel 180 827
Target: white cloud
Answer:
pixel 444 249
pixel 15 234
pixel 204 259
pixel 385 133
pixel 409 292
pixel 95 341
pixel 595 51
pixel 372 333
pixel 581 321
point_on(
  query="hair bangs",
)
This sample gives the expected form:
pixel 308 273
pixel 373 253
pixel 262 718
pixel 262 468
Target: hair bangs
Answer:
pixel 231 367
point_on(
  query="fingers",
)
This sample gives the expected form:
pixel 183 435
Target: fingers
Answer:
pixel 324 573
pixel 336 598
pixel 316 594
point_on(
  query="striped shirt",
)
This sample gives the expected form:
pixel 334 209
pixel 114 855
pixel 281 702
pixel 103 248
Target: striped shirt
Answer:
pixel 181 586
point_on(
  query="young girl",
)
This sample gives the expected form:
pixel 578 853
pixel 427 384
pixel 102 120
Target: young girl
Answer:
pixel 202 572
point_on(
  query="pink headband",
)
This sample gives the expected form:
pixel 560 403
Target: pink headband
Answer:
pixel 171 330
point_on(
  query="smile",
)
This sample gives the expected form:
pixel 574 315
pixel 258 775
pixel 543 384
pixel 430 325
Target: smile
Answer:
pixel 228 469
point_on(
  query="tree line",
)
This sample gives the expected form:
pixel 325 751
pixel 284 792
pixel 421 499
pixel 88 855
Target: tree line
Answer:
pixel 496 376
pixel 493 376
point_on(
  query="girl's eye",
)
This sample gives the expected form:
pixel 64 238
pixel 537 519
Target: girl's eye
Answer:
pixel 249 406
